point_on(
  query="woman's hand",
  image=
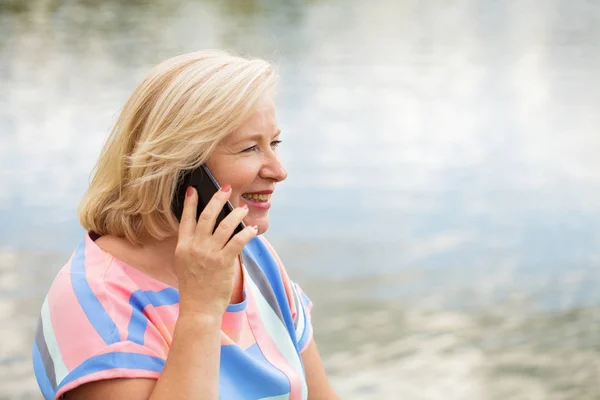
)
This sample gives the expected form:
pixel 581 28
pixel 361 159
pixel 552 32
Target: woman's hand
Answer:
pixel 205 262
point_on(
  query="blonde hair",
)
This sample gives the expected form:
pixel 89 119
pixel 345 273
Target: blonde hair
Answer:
pixel 171 122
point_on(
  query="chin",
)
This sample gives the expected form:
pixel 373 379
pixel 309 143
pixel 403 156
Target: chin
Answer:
pixel 262 229
pixel 262 223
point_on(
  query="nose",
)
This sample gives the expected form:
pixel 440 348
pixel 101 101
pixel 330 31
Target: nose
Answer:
pixel 273 168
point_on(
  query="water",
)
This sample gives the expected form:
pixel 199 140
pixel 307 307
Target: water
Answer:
pixel 442 208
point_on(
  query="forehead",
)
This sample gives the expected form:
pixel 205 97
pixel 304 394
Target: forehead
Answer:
pixel 262 121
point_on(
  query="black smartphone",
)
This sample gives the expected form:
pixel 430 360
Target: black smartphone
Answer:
pixel 206 185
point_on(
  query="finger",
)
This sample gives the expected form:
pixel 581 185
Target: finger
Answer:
pixel 208 216
pixel 237 242
pixel 228 224
pixel 187 224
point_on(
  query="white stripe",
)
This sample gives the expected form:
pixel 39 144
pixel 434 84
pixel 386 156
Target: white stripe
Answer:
pixel 299 313
pixel 280 397
pixel 278 333
pixel 60 369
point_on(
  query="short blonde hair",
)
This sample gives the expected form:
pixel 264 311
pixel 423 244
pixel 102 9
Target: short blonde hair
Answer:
pixel 171 122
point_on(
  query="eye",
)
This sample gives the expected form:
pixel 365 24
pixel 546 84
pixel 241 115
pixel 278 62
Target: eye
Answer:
pixel 249 149
pixel 274 145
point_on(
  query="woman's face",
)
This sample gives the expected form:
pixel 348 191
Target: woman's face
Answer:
pixel 247 160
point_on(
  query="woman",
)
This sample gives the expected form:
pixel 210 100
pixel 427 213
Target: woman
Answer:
pixel 150 308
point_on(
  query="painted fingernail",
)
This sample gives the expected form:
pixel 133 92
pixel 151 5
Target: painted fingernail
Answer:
pixel 189 191
pixel 226 188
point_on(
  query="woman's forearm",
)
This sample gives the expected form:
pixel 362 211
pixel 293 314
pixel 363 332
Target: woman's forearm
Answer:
pixel 192 367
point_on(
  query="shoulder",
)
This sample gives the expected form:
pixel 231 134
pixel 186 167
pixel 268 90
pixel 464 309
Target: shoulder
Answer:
pixel 83 330
pixel 79 308
pixel 97 294
pixel 79 291
pixel 85 286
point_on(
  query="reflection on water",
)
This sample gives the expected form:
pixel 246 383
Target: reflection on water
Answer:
pixel 388 350
pixel 443 176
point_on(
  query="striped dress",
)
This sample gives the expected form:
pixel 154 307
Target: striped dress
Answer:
pixel 104 319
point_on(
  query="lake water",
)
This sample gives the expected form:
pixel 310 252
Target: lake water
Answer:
pixel 443 202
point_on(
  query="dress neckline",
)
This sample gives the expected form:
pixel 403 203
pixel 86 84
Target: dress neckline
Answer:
pixel 134 273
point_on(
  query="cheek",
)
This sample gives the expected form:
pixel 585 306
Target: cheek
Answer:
pixel 243 178
pixel 240 174
pixel 234 199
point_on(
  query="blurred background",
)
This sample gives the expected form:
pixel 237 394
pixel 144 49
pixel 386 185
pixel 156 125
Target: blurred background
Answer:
pixel 443 204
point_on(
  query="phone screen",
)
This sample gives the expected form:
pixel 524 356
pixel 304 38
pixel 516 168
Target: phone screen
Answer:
pixel 207 186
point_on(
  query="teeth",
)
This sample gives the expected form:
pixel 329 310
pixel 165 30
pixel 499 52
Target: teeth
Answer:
pixel 256 197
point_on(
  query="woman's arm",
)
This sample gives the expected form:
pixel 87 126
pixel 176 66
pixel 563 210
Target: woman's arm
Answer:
pixel 316 378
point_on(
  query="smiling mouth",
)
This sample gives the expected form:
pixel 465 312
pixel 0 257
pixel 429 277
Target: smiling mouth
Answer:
pixel 263 197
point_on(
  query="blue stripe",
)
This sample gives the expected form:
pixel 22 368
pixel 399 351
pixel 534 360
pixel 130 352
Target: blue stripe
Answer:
pixel 137 327
pixel 138 301
pixel 257 250
pixel 165 297
pixel 108 361
pixel 238 306
pixel 243 376
pixel 40 374
pixel 90 304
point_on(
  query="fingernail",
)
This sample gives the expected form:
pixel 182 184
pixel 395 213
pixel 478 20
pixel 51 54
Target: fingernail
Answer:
pixel 189 191
pixel 255 227
pixel 244 206
pixel 226 188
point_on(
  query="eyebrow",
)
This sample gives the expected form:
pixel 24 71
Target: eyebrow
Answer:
pixel 256 136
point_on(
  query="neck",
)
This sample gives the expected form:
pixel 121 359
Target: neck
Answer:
pixel 163 250
pixel 157 259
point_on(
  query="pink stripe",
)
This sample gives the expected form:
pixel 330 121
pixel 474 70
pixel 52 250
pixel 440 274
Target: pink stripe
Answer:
pixel 232 320
pixel 247 339
pixel 98 264
pixel 131 347
pixel 269 348
pixel 141 280
pixel 157 335
pixel 231 324
pixel 167 315
pixel 76 337
pixel 118 294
